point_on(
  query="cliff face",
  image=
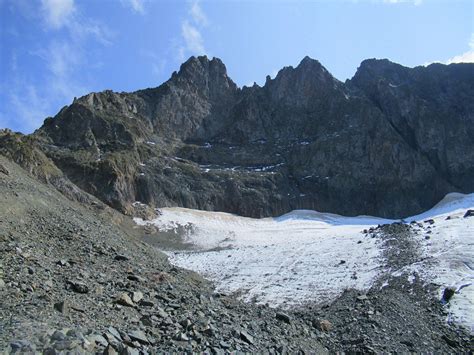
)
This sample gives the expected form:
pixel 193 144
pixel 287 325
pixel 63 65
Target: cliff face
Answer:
pixel 391 141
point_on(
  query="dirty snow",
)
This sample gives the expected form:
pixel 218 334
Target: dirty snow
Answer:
pixel 310 256
pixel 450 254
pixel 300 256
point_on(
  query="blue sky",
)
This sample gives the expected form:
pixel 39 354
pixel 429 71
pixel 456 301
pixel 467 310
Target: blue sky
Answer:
pixel 53 50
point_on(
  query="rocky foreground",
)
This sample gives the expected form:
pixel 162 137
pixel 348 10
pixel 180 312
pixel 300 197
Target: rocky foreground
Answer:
pixel 76 277
pixel 73 280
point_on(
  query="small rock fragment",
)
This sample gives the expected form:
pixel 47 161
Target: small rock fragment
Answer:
pixel 120 257
pixel 139 336
pixel 125 300
pixel 469 213
pixel 325 325
pixel 246 337
pixel 109 350
pixel 448 293
pixel 62 307
pixel 79 287
pixel 283 317
pixel 137 296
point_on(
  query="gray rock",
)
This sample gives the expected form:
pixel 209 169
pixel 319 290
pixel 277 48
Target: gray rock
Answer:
pixel 139 336
pixel 137 296
pixel 58 335
pixel 283 317
pixel 246 337
pixel 62 307
pixel 125 300
pixel 120 257
pixel 78 286
pixel 109 350
pixel 115 333
pixel 469 213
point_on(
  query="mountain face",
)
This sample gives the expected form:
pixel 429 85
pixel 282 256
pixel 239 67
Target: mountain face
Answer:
pixel 392 141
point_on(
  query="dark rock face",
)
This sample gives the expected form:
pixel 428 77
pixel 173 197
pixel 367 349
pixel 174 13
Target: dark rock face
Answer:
pixel 391 141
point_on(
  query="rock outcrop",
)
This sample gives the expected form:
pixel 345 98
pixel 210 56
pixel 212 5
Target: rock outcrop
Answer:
pixel 391 141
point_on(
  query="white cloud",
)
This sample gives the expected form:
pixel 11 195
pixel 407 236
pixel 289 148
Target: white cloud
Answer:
pixel 64 62
pixel 466 57
pixel 192 41
pixel 414 2
pixel 192 38
pixel 198 16
pixel 57 13
pixel 29 106
pixel 135 5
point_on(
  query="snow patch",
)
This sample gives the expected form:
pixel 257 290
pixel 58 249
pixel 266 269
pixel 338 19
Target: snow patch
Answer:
pixel 301 256
pixel 311 256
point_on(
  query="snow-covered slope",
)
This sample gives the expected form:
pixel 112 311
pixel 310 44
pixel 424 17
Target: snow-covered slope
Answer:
pixel 310 256
pixel 449 254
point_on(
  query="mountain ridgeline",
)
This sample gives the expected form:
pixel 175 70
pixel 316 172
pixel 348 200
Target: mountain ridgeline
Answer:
pixel 391 141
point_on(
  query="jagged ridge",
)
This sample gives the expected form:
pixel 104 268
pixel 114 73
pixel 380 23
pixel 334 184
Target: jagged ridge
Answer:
pixel 389 142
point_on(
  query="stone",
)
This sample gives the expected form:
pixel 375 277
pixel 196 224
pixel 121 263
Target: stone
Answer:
pixel 448 293
pixel 224 345
pixel 97 339
pixel 325 325
pixel 109 350
pixel 146 303
pixel 129 351
pixel 137 278
pixel 2 284
pixel 139 336
pixel 283 317
pixel 362 298
pixel 115 333
pixel 146 321
pixel 246 337
pixel 78 287
pixel 4 170
pixel 181 337
pixel 62 307
pixel 161 313
pixel 22 346
pixel 469 213
pixel 119 257
pixel 137 296
pixel 58 335
pixel 125 300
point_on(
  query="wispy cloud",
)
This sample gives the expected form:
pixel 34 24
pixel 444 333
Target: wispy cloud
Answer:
pixel 136 5
pixel 64 56
pixel 198 16
pixel 191 27
pixel 466 57
pixel 57 13
pixel 192 38
pixel 414 2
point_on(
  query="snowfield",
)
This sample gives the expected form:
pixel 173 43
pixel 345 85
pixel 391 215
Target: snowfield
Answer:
pixel 310 256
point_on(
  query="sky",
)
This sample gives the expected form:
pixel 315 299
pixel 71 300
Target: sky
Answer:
pixel 54 50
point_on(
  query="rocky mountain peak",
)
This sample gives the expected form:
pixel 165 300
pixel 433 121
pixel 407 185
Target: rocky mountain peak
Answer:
pixel 371 69
pixel 304 83
pixel 204 72
pixel 392 140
